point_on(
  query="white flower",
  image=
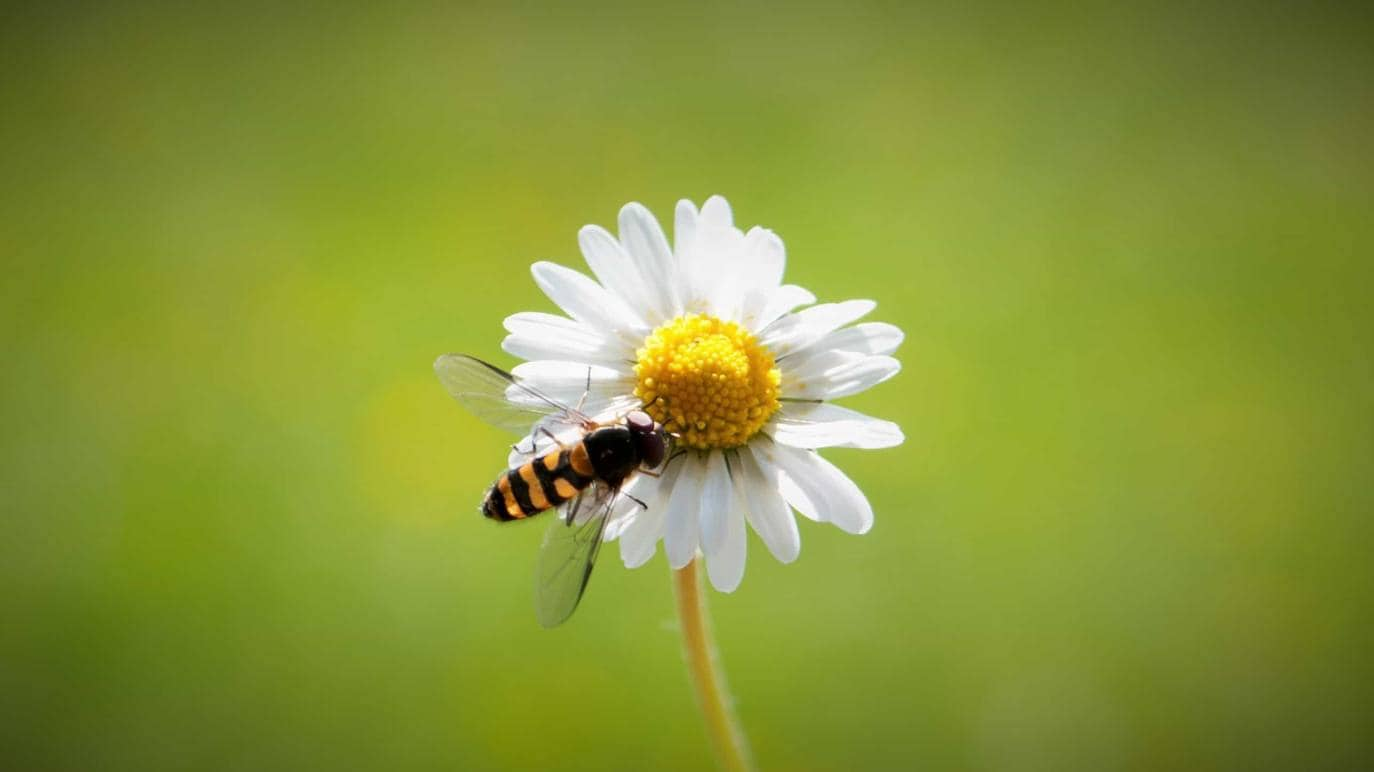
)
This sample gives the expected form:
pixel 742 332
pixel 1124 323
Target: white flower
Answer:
pixel 706 336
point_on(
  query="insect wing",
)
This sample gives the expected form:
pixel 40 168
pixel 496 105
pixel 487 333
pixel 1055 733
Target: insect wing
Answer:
pixel 568 554
pixel 499 398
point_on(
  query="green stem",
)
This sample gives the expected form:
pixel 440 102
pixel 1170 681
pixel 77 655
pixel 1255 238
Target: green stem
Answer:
pixel 708 680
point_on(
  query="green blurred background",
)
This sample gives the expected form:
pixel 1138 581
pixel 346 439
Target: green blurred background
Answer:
pixel 1130 245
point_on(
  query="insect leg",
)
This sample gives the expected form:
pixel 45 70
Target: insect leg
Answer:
pixel 585 391
pixel 573 510
pixel 545 431
pixel 664 467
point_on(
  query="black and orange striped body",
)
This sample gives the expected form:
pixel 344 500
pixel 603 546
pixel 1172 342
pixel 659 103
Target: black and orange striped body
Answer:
pixel 607 454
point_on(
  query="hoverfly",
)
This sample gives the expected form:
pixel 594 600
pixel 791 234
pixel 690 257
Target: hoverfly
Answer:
pixel 581 478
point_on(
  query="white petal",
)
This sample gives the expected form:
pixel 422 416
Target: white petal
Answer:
pixel 766 258
pixel 626 509
pixel 567 382
pixel 865 338
pixel 717 502
pixel 588 302
pixel 725 565
pixel 817 366
pixel 533 324
pixel 613 267
pixel 740 274
pixel 552 374
pixel 639 537
pixel 869 338
pixel 823 425
pixel 763 308
pixel 715 268
pixel 680 534
pixel 799 330
pixel 684 227
pixel 716 212
pixel 552 347
pixel 643 528
pixel 836 374
pixel 819 490
pixel 538 323
pixel 643 239
pixel 767 509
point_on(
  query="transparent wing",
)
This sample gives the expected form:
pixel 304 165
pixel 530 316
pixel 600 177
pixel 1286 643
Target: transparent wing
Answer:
pixel 536 443
pixel 499 398
pixel 565 561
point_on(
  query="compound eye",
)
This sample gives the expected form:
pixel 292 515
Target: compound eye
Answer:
pixel 639 421
pixel 653 445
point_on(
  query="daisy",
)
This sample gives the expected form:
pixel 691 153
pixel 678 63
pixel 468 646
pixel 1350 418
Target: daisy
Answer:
pixel 705 337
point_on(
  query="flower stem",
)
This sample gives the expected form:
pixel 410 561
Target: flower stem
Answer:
pixel 708 679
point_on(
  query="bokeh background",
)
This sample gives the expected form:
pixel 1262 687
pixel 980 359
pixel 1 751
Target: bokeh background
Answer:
pixel 1130 244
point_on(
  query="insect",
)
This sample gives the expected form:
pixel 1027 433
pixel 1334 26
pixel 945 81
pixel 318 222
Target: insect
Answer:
pixel 582 478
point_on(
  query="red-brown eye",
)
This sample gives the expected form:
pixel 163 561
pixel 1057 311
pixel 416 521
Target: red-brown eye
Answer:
pixel 639 421
pixel 653 444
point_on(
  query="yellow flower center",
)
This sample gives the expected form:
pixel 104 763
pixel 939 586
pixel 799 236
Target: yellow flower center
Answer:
pixel 707 381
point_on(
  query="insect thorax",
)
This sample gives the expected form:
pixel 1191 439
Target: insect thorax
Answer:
pixel 612 452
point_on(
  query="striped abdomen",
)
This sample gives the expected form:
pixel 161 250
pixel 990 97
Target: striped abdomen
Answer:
pixel 539 484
